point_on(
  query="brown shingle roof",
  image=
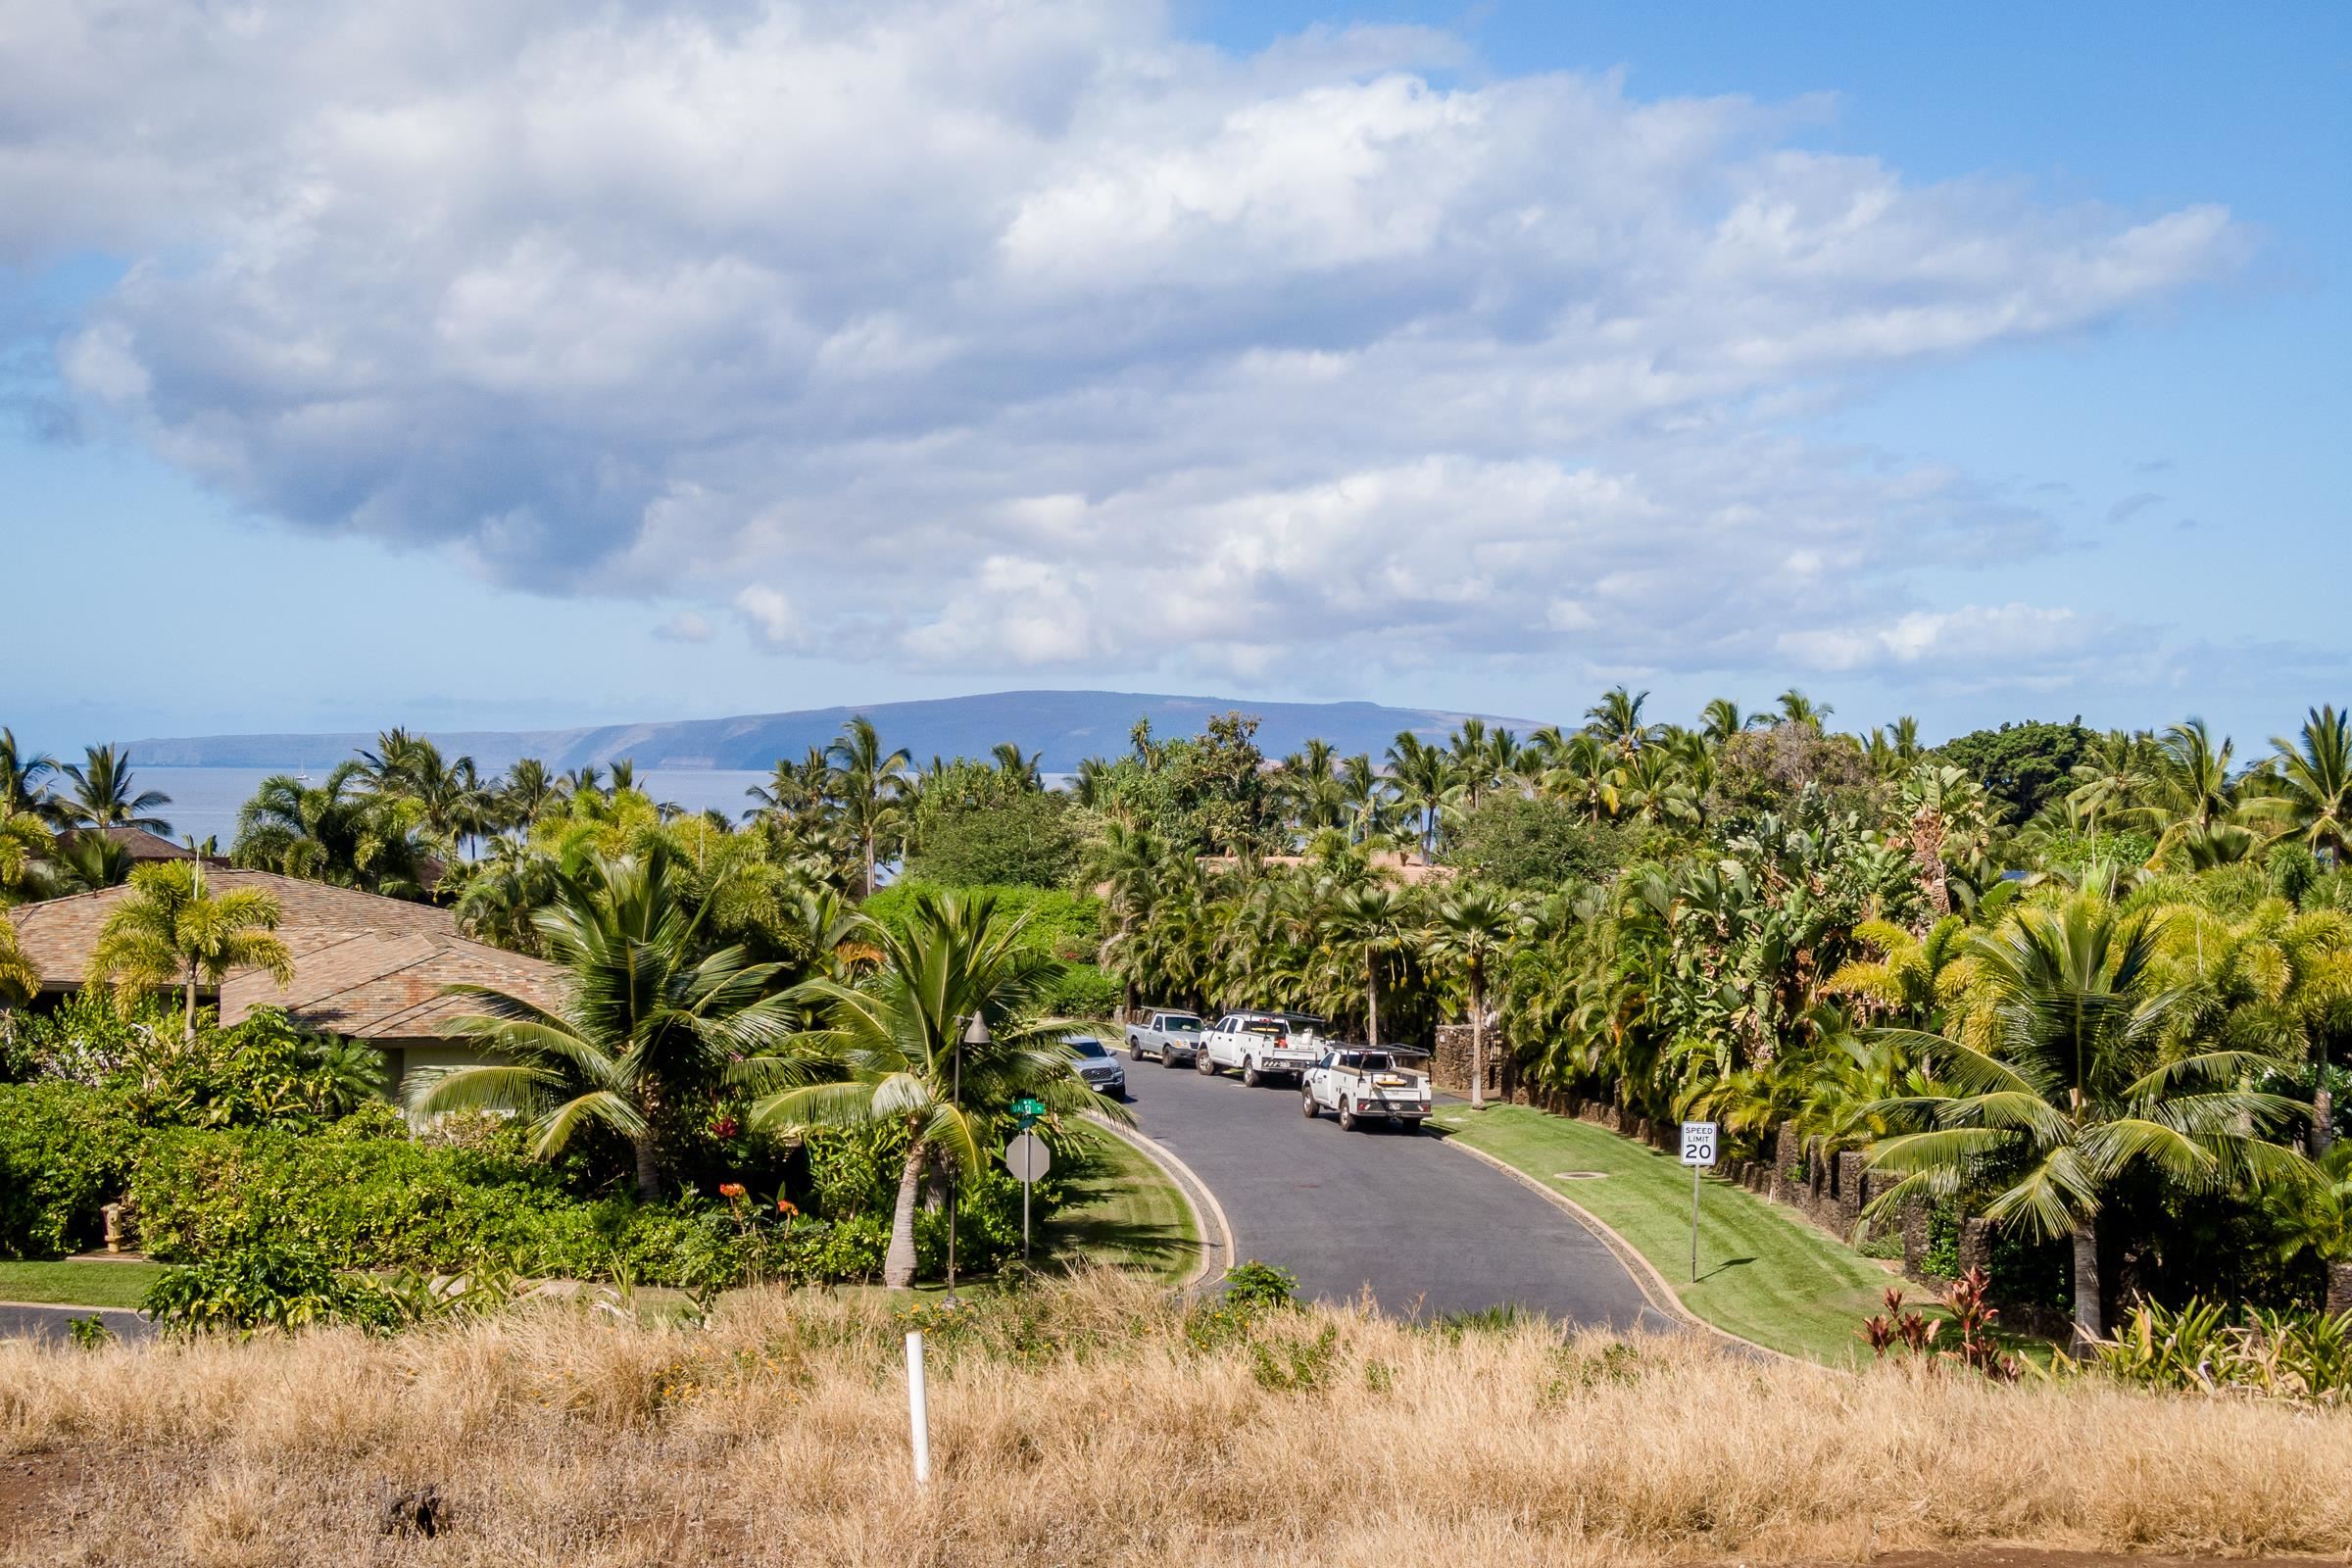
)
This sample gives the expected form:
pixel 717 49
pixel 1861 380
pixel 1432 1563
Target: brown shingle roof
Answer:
pixel 363 965
pixel 136 842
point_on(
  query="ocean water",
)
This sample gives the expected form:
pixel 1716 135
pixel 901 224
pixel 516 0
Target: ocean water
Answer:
pixel 205 801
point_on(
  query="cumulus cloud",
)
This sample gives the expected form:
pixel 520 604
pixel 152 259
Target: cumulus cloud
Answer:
pixel 1032 334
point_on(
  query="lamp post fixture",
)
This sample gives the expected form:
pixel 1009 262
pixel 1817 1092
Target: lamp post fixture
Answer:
pixel 975 1033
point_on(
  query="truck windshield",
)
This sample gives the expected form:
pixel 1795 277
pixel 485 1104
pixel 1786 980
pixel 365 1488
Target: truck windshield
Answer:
pixel 1178 1020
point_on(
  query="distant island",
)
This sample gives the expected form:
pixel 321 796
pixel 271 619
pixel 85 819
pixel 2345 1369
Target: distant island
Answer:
pixel 1061 727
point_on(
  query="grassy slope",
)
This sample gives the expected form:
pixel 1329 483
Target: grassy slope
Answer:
pixel 1126 1212
pixel 79 1284
pixel 1764 1274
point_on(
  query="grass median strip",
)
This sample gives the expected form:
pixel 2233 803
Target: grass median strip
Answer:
pixel 71 1284
pixel 1764 1274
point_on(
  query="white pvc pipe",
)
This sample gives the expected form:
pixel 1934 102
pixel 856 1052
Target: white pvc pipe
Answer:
pixel 919 1410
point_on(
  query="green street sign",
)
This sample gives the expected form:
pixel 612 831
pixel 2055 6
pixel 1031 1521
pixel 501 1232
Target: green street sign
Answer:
pixel 1028 1105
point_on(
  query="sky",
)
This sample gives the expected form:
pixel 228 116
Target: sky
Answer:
pixel 513 363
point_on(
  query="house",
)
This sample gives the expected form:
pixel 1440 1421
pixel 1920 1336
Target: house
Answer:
pixel 366 966
pixel 139 846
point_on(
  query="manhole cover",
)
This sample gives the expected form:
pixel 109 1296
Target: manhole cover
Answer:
pixel 1578 1175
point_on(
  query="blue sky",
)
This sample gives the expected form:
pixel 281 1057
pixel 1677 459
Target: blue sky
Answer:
pixel 1968 367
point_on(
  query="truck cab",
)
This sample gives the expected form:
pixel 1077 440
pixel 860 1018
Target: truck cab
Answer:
pixel 1260 1045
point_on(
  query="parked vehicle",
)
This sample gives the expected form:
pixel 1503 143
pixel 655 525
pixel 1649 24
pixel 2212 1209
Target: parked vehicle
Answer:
pixel 1263 1045
pixel 1099 1069
pixel 1172 1036
pixel 1363 1085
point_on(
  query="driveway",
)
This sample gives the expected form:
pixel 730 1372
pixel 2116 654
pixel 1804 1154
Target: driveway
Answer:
pixel 1428 1229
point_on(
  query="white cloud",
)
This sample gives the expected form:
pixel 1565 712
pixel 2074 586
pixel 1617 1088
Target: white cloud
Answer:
pixel 771 618
pixel 1032 334
pixel 1975 639
pixel 686 627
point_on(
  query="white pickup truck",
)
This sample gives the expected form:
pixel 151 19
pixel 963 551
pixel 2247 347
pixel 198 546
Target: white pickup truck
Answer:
pixel 1263 1045
pixel 1364 1085
pixel 1172 1036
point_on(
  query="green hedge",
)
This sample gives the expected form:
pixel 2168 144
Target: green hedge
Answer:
pixel 1068 925
pixel 65 1153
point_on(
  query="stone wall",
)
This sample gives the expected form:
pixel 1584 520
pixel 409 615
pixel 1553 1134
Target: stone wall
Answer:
pixel 1449 1062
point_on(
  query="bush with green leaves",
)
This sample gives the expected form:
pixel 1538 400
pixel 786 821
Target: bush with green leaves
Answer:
pixel 65 1152
pixel 264 1284
pixel 1029 840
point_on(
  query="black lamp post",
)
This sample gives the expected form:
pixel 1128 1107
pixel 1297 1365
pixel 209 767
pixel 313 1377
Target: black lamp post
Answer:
pixel 975 1033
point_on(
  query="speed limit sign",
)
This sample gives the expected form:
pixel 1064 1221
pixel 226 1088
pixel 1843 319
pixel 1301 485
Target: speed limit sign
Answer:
pixel 1698 1152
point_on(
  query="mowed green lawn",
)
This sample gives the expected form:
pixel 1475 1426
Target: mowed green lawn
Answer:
pixel 1126 1212
pixel 79 1284
pixel 1763 1273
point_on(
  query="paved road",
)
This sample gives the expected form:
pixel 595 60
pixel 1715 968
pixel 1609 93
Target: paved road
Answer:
pixel 49 1322
pixel 1426 1227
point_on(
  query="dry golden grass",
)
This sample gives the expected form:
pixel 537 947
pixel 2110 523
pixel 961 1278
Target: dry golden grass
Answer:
pixel 1082 1425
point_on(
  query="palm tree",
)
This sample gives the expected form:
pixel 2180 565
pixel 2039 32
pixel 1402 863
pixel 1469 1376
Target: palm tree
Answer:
pixel 1015 763
pixel 2073 1077
pixel 103 797
pixel 2315 773
pixel 898 1043
pixel 174 930
pixel 648 1018
pixel 1616 720
pixel 873 789
pixel 17 977
pixel 1472 928
pixel 24 778
pixel 331 832
pixel 792 788
pixel 1365 797
pixel 531 792
pixel 1798 708
pixel 2113 775
pixel 1366 922
pixel 1721 719
pixel 1423 779
pixel 88 862
pixel 1124 866
pixel 24 843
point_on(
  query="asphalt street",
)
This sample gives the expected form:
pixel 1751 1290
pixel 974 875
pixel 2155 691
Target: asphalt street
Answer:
pixel 1428 1229
pixel 49 1322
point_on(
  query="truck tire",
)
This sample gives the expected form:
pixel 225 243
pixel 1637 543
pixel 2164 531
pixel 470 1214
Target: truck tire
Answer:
pixel 1306 1105
pixel 1167 1057
pixel 1204 1063
pixel 1346 1118
pixel 1249 1077
pixel 1135 1048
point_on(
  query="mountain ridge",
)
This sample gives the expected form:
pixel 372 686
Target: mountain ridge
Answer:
pixel 1061 727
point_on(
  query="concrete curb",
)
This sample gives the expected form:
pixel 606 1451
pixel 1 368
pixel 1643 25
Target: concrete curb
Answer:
pixel 1197 1196
pixel 1645 1276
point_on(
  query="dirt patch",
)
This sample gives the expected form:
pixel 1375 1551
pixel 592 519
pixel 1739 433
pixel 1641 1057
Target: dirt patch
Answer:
pixel 33 1491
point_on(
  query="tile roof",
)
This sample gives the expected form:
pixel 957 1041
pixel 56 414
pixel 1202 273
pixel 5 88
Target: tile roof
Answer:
pixel 365 965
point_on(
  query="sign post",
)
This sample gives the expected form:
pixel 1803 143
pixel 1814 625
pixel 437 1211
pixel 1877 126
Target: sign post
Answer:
pixel 1698 1152
pixel 1027 1159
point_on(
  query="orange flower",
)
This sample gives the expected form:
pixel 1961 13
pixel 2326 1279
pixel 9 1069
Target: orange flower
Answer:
pixel 786 1207
pixel 730 1188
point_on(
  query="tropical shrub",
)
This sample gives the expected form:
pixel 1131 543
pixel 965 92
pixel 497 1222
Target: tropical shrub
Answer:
pixel 1518 841
pixel 2305 1357
pixel 1030 839
pixel 65 1153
